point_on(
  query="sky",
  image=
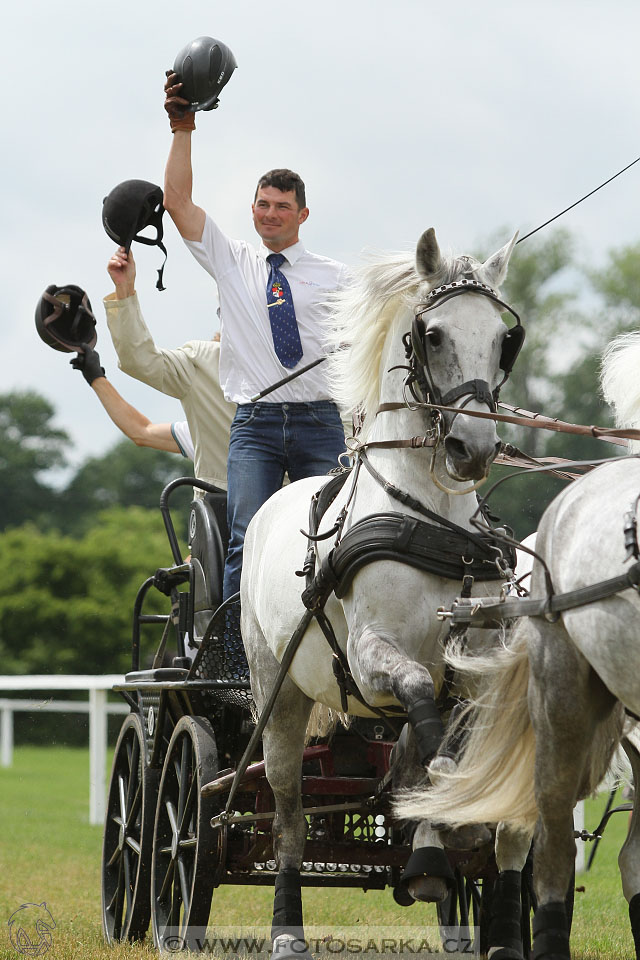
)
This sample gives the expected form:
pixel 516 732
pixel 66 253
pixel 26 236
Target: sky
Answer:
pixel 475 118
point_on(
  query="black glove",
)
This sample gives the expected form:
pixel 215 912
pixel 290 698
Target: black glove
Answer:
pixel 89 363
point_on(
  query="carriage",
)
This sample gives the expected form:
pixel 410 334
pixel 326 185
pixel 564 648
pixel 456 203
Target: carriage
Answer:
pixel 167 845
pixel 193 801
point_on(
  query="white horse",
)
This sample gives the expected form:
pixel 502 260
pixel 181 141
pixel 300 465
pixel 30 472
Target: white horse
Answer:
pixel 552 708
pixel 386 624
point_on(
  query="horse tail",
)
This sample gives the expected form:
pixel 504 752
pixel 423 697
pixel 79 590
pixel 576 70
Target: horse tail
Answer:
pixel 494 777
pixel 607 763
pixel 323 721
pixel 619 381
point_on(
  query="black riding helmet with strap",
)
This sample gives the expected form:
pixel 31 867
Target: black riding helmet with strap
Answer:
pixel 65 320
pixel 128 209
pixel 204 67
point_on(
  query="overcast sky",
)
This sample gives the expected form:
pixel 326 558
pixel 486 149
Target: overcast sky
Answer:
pixel 470 117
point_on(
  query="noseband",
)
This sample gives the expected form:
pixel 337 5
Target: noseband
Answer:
pixel 416 344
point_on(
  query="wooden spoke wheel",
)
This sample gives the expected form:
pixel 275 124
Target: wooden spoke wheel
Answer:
pixel 186 860
pixel 468 906
pixel 462 910
pixel 128 833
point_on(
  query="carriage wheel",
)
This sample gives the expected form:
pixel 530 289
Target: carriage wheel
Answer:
pixel 468 905
pixel 187 853
pixel 128 831
pixel 462 909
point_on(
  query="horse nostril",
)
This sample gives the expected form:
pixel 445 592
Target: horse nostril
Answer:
pixel 456 448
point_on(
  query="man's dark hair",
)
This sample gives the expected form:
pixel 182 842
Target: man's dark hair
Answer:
pixel 284 180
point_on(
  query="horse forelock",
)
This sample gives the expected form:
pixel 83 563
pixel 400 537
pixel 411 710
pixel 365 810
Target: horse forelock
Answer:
pixel 363 315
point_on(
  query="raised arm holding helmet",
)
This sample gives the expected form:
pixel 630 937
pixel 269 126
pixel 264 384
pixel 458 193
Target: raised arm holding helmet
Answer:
pixel 273 302
pixel 65 321
pixel 189 373
pixel 188 218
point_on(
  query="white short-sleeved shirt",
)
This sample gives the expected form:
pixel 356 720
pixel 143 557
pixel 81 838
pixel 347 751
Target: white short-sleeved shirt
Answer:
pixel 248 362
pixel 182 436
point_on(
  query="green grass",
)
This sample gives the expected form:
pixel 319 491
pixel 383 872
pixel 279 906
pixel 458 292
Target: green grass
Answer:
pixel 49 852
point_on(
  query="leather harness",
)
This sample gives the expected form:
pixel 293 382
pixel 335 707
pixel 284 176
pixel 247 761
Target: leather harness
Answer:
pixel 435 545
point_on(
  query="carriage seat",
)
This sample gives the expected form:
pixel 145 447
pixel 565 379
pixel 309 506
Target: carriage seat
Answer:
pixel 208 541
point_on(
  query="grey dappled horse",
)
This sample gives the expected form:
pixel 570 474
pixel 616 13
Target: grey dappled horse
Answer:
pixel 551 711
pixel 386 623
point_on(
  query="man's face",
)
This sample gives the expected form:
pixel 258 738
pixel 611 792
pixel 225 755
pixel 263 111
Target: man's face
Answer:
pixel 277 217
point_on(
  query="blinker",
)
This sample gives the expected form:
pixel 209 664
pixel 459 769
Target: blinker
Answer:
pixel 418 334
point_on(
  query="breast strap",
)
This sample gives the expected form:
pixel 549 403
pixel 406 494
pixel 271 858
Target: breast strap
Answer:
pixel 396 536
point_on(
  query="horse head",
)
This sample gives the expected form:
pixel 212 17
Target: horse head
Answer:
pixel 462 351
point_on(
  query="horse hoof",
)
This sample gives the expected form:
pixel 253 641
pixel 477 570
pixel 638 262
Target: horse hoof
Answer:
pixel 428 889
pixel 468 837
pixel 426 877
pixel 504 953
pixel 287 948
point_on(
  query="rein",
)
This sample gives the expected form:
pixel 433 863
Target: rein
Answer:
pixel 414 504
pixel 536 421
pixel 539 422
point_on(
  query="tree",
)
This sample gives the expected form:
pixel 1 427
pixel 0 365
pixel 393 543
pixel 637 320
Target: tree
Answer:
pixel 618 284
pixel 557 371
pixel 538 287
pixel 125 476
pixel 66 604
pixel 31 447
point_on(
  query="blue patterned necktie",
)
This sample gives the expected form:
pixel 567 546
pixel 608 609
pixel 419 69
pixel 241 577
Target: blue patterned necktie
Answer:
pixel 282 314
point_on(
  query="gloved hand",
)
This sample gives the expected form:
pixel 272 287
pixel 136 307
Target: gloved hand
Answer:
pixel 176 106
pixel 89 364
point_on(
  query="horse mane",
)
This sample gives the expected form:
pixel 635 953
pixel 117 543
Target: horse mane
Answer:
pixel 619 381
pixel 362 315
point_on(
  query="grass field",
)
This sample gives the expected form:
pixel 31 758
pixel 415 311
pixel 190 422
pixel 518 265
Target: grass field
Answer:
pixel 48 852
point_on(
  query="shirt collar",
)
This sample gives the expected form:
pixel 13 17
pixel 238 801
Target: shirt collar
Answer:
pixel 291 254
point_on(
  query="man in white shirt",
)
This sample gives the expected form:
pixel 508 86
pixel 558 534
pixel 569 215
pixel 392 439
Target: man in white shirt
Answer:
pixel 272 311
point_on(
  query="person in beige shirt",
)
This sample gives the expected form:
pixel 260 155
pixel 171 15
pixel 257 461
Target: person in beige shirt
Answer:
pixel 190 372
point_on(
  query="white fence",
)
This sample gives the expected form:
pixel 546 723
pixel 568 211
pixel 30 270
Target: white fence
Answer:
pixel 96 706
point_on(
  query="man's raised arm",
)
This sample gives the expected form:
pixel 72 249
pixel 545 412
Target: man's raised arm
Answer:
pixel 127 418
pixel 178 178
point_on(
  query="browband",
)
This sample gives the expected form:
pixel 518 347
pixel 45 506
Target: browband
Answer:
pixel 449 290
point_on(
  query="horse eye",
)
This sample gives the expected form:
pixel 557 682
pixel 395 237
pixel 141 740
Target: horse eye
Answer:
pixel 435 337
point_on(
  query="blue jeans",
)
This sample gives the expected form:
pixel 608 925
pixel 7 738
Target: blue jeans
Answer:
pixel 267 441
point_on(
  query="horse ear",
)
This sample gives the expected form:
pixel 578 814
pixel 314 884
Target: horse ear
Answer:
pixel 428 254
pixel 494 269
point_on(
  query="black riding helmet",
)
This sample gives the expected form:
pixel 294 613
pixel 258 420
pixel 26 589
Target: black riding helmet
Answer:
pixel 64 319
pixel 128 209
pixel 204 66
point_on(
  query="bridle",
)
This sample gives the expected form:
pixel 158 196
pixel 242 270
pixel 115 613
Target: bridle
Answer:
pixel 419 382
pixel 420 391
